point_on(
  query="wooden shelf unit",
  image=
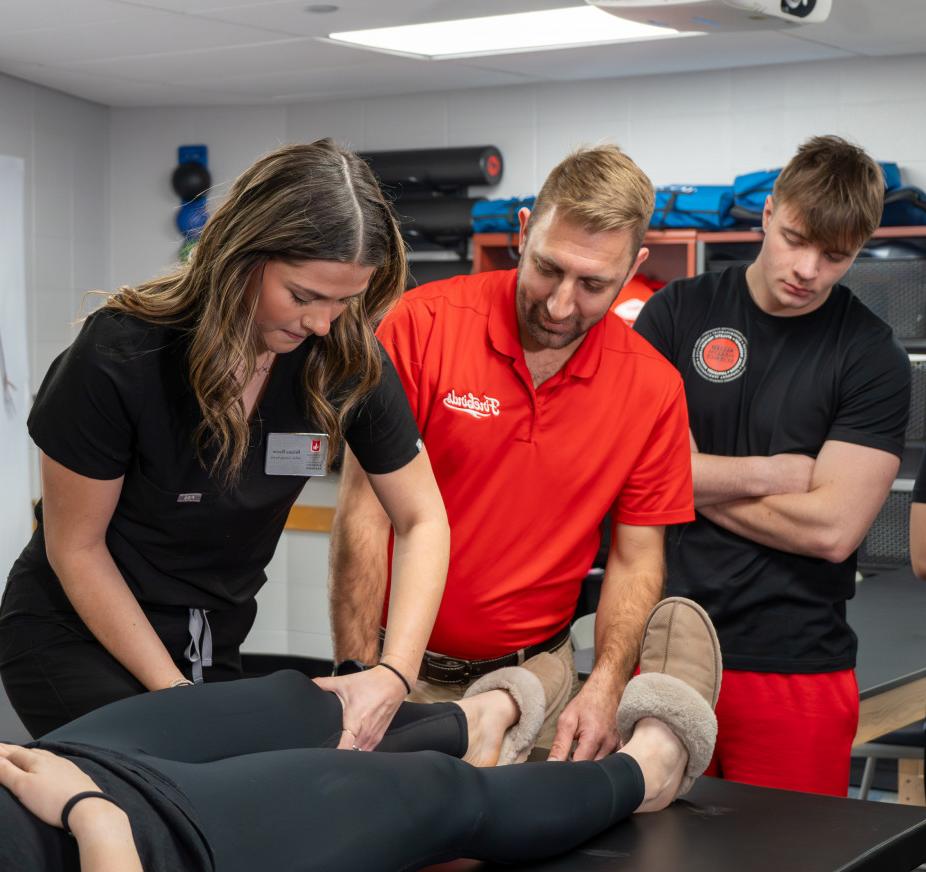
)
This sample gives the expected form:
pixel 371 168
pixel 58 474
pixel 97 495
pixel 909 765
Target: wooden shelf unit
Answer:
pixel 673 253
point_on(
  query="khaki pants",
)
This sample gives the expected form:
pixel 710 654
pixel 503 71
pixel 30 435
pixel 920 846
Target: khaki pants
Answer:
pixel 557 698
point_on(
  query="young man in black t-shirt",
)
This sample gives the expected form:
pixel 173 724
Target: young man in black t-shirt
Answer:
pixel 798 398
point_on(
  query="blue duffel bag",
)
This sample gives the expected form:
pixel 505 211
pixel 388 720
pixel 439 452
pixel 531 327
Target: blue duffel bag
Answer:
pixel 904 207
pixel 751 189
pixel 705 207
pixel 499 216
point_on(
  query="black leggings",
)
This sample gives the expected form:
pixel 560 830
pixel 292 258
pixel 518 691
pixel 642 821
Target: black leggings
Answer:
pixel 251 758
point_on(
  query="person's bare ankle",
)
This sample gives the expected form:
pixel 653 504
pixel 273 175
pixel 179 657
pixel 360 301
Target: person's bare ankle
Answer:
pixel 488 716
pixel 662 759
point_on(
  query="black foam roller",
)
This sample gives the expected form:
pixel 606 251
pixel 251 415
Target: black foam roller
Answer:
pixel 422 271
pixel 436 218
pixel 440 169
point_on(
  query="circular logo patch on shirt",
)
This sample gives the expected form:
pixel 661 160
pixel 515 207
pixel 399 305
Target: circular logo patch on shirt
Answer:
pixel 720 354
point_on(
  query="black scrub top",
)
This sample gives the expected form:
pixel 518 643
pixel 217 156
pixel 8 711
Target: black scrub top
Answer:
pixel 118 402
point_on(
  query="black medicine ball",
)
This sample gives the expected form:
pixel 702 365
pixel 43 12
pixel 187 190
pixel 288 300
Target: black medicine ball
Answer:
pixel 190 180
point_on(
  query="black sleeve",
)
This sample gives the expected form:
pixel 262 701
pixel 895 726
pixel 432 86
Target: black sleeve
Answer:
pixel 383 434
pixel 875 398
pixel 656 323
pixel 85 412
pixel 919 486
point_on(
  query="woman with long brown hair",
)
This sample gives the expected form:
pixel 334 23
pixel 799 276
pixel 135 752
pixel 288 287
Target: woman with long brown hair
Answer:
pixel 180 426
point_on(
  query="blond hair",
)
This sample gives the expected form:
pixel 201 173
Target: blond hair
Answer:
pixel 601 189
pixel 313 201
pixel 837 191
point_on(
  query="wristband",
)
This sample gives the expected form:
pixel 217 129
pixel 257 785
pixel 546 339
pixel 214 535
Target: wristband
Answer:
pixel 402 678
pixel 76 798
pixel 181 682
pixel 349 667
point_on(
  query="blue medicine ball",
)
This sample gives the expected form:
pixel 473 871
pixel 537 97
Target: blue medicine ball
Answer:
pixel 191 217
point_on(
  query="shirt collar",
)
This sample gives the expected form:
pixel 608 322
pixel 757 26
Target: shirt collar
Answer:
pixel 505 337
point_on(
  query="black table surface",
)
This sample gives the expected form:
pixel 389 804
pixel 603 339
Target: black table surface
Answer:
pixel 721 826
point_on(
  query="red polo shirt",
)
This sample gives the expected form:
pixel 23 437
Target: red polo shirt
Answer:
pixel 528 474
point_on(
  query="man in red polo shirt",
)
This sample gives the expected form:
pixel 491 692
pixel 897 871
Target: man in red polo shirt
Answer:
pixel 540 413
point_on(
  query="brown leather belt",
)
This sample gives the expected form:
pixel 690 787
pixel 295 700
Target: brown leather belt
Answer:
pixel 440 669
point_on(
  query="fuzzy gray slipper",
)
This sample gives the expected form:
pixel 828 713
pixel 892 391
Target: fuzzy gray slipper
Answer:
pixel 681 708
pixel 527 692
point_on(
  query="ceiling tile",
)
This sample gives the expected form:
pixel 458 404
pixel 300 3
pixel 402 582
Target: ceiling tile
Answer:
pixel 21 17
pixel 145 32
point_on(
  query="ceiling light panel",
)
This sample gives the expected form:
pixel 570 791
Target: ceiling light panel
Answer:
pixel 505 34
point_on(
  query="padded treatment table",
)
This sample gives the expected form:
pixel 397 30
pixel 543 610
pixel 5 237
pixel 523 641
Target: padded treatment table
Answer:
pixel 721 826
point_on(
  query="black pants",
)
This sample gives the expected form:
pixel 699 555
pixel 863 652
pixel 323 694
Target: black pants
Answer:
pixel 247 756
pixel 54 670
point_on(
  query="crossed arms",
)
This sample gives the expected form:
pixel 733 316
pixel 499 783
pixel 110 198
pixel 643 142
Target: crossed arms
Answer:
pixel 817 508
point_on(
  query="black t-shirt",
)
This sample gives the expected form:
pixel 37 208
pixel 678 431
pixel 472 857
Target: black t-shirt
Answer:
pixel 757 384
pixel 164 827
pixel 118 402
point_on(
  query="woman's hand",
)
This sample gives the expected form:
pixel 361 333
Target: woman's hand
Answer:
pixel 370 700
pixel 43 782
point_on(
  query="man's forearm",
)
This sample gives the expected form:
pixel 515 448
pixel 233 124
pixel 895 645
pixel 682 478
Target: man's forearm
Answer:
pixel 797 523
pixel 357 587
pixel 622 611
pixel 720 479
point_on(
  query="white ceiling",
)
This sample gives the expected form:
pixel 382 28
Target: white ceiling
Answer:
pixel 208 52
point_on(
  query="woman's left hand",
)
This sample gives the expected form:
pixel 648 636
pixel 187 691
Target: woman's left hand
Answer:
pixel 370 700
pixel 43 782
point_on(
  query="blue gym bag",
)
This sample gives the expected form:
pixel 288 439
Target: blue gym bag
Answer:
pixel 751 189
pixel 499 216
pixel 704 207
pixel 904 207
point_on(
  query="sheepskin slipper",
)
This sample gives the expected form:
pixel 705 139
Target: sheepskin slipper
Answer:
pixel 681 708
pixel 527 692
pixel 679 680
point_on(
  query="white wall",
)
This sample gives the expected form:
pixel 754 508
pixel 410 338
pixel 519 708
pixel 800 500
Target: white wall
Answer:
pixel 64 144
pixel 698 128
pixel 143 148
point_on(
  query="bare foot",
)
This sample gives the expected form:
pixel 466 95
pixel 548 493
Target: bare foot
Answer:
pixel 488 717
pixel 663 759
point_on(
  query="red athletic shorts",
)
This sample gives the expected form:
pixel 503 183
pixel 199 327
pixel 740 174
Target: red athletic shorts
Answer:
pixel 788 731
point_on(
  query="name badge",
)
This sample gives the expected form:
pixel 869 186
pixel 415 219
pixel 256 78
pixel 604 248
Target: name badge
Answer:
pixel 296 454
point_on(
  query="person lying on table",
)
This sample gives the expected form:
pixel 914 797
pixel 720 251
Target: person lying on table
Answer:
pixel 243 775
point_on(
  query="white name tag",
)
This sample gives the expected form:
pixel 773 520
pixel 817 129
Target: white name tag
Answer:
pixel 296 454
